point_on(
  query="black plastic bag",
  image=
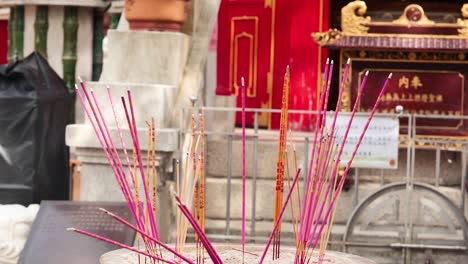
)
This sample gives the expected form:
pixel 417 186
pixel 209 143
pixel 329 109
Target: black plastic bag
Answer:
pixel 34 111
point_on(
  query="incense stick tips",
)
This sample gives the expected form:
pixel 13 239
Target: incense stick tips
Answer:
pixel 328 61
pixel 76 86
pixel 79 78
pixel 71 229
pixel 332 62
pixel 287 71
pixel 243 82
pixel 91 90
pixel 390 75
pixel 349 61
pixel 105 211
pixel 367 73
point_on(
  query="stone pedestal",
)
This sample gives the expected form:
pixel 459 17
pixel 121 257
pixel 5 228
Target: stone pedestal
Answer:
pixel 143 57
pixel 97 181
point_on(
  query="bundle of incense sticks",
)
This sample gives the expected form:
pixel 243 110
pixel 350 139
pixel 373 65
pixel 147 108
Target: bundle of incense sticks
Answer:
pixel 322 186
pixel 312 217
pixel 191 188
pixel 280 164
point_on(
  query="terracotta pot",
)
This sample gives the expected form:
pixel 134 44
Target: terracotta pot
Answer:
pixel 156 14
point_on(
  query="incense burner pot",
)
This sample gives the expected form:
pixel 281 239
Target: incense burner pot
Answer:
pixel 230 255
pixel 15 224
pixel 164 15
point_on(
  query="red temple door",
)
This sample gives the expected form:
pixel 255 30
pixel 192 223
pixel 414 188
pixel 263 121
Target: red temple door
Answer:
pixel 244 51
pixel 257 39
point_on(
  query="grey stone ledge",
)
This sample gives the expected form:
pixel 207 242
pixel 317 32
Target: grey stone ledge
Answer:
pixel 83 136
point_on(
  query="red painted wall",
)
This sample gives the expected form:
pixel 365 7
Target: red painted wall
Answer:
pixel 3 41
pixel 251 38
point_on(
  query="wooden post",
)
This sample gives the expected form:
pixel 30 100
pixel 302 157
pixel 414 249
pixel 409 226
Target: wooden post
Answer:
pixel 16 34
pixel 98 35
pixel 41 27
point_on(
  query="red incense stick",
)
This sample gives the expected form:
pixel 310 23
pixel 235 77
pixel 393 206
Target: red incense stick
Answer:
pixel 316 198
pixel 143 233
pixel 243 168
pixel 132 128
pixel 322 176
pixel 118 244
pixel 348 166
pixel 308 178
pixel 208 246
pixel 280 216
pixel 127 157
pixel 108 155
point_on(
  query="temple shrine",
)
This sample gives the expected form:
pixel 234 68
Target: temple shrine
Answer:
pixel 427 58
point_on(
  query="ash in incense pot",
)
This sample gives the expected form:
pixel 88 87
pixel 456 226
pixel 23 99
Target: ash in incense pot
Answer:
pixel 230 255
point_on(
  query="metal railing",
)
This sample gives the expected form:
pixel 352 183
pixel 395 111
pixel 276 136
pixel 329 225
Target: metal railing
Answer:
pixel 409 141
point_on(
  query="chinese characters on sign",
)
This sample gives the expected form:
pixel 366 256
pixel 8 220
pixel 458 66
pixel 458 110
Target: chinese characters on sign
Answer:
pixel 419 92
pixel 379 147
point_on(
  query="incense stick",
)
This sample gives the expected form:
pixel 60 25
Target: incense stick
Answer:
pixel 143 233
pixel 202 179
pixel 280 216
pixel 366 126
pixel 243 91
pixel 118 244
pixel 133 133
pixel 280 162
pixel 209 247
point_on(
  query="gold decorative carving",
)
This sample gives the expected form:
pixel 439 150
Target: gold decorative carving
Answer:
pixel 449 143
pixel 234 79
pixel 407 56
pixel 463 23
pixel 353 21
pixel 413 15
pixel 324 38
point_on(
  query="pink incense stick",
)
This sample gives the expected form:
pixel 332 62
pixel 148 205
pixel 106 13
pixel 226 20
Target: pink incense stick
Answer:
pixel 144 234
pixel 206 242
pixel 121 177
pixel 132 127
pixel 119 163
pixel 348 166
pixel 338 157
pixel 243 168
pixel 324 115
pixel 332 131
pixel 132 134
pixel 306 213
pixel 118 244
pixel 106 141
pixel 122 142
pixel 145 184
pixel 105 149
pixel 317 120
pixel 280 216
